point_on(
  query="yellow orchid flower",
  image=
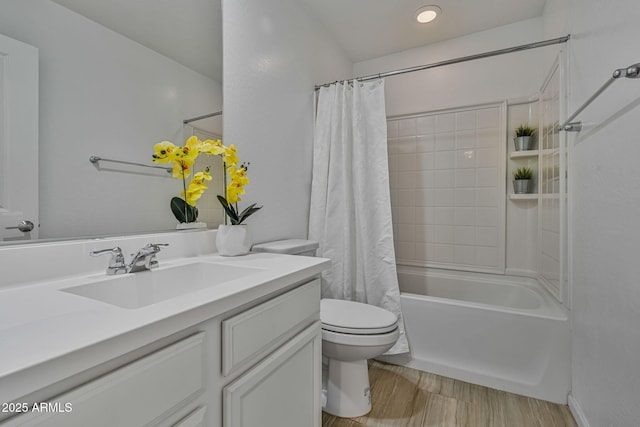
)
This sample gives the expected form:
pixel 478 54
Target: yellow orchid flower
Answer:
pixel 230 156
pixel 193 144
pixel 197 186
pixel 232 197
pixel 238 175
pixel 198 181
pixel 212 146
pixel 192 196
pixel 201 177
pixel 209 146
pixel 234 190
pixel 182 167
pixel 187 152
pixel 164 152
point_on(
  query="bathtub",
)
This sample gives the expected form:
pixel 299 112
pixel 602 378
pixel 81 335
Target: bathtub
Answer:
pixel 502 332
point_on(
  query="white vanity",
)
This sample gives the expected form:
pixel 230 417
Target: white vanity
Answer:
pixel 131 350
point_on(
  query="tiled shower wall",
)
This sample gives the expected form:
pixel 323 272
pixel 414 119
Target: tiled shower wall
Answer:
pixel 447 187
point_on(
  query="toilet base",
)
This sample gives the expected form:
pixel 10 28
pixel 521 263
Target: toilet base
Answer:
pixel 348 393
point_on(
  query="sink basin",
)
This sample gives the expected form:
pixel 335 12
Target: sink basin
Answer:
pixel 136 290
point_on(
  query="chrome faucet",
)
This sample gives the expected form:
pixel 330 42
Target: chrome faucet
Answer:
pixel 116 263
pixel 144 259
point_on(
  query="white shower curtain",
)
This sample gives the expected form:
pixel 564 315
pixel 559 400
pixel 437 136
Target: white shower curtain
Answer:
pixel 350 200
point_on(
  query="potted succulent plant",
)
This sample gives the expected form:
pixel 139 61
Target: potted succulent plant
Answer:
pixel 524 139
pixel 522 180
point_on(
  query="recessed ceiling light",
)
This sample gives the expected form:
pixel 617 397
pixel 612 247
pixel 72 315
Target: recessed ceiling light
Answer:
pixel 427 14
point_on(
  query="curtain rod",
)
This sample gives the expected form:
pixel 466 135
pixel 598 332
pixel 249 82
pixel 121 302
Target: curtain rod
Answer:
pixel 206 116
pixel 458 60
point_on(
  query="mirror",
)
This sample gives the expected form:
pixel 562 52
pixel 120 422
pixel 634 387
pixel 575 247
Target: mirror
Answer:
pixel 114 78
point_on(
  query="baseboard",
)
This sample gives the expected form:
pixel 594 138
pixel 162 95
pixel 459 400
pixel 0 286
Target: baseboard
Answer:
pixel 577 413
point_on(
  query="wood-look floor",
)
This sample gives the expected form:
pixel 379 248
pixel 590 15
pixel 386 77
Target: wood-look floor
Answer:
pixel 409 398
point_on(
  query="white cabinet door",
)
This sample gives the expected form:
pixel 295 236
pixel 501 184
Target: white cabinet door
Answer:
pixel 136 395
pixel 281 391
pixel 18 138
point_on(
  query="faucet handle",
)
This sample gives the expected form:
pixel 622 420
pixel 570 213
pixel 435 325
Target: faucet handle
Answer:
pixel 155 246
pixel 115 252
pixel 116 263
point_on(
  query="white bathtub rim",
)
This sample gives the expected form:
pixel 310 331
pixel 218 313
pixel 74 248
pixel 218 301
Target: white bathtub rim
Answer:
pixel 526 281
pixel 550 307
pixel 541 313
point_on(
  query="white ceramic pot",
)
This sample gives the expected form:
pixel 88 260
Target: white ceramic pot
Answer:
pixel 233 240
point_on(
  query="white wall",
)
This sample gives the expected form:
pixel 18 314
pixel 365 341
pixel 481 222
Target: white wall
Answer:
pixel 606 209
pixel 506 77
pixel 274 53
pixel 474 82
pixel 103 94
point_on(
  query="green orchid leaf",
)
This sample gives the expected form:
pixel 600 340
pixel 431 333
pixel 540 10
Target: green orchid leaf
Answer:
pixel 223 201
pixel 248 212
pixel 229 209
pixel 183 211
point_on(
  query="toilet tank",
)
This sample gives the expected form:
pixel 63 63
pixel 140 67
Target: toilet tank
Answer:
pixel 289 246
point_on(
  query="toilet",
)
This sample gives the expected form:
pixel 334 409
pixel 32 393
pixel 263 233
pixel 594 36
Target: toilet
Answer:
pixel 352 332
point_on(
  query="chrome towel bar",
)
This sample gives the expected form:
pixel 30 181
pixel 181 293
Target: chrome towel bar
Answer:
pixel 206 116
pixel 630 72
pixel 96 159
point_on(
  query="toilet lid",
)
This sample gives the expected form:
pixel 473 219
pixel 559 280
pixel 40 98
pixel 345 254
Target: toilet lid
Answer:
pixel 352 317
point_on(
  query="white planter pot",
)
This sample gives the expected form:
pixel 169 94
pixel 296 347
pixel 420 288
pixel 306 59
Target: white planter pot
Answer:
pixel 233 240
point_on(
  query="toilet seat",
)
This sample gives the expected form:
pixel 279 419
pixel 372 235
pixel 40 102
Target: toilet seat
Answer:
pixel 355 318
pixel 359 331
pixel 360 339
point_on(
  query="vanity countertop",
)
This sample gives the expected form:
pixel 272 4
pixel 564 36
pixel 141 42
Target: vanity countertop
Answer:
pixel 47 335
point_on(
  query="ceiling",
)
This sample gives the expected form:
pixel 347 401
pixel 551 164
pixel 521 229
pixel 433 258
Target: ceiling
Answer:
pixel 368 29
pixel 189 31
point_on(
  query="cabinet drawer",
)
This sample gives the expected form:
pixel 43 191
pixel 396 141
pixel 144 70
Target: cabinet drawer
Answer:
pixel 133 395
pixel 250 335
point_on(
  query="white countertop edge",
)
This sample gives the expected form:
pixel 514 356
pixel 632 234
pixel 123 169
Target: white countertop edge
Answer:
pixel 103 332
